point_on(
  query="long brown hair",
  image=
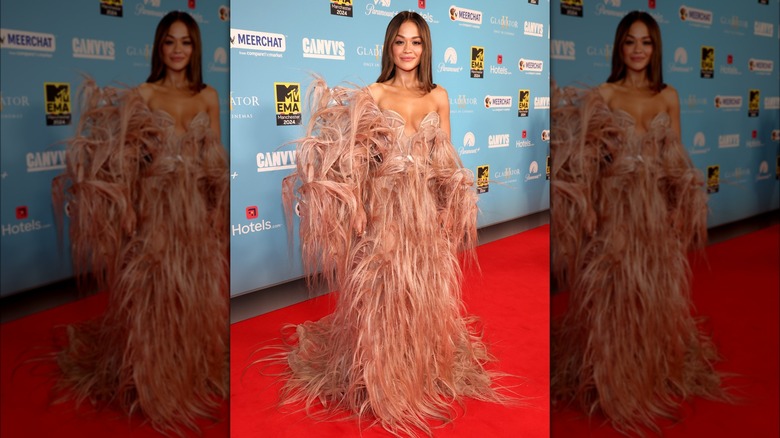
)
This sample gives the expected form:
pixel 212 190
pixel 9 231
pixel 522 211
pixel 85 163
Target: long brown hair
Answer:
pixel 194 73
pixel 424 70
pixel 654 69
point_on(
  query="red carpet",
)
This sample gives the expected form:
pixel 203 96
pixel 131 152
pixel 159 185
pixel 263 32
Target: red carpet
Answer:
pixel 511 296
pixel 25 404
pixel 737 287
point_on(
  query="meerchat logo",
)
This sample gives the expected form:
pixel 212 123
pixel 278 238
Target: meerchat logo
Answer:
pixel 288 103
pixel 713 178
pixel 57 95
pixel 483 179
pixel 572 8
pixel 760 66
pixel 342 8
pixel 258 43
pixel 23 40
pixel 498 103
pixel 699 17
pixel 728 102
pixel 523 102
pixel 112 8
pixel 707 62
pixel 468 17
pixel 531 66
pixel 477 62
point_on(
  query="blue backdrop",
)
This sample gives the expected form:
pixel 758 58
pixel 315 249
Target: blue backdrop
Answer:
pixel 496 51
pixel 722 57
pixel 45 48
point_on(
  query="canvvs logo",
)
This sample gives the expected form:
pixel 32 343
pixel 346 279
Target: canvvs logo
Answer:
pixel 523 102
pixel 707 62
pixel 342 8
pixel 323 49
pixel 563 49
pixel 288 103
pixel 477 62
pixel 57 95
pixel 112 8
pixel 93 49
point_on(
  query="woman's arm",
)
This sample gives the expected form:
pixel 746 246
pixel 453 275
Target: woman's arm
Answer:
pixel 212 104
pixel 442 100
pixel 672 100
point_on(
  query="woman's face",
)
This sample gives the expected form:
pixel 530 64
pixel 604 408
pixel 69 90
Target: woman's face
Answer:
pixel 177 47
pixel 637 47
pixel 407 47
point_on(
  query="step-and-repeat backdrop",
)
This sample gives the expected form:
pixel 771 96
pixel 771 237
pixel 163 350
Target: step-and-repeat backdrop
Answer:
pixel 46 46
pixel 492 57
pixel 722 57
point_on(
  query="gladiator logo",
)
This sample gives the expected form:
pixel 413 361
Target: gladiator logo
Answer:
pixel 571 8
pixel 93 49
pixel 276 160
pixel 57 96
pixel 483 179
pixel 323 49
pixel 761 66
pixel 498 141
pixel 498 103
pixel 288 103
pixel 477 62
pixel 772 103
pixel 547 168
pixel 563 49
pixel 754 101
pixel 342 8
pixel 450 59
pixel 112 8
pixel 263 41
pixel 696 16
pixel 531 66
pixel 533 28
pixel 713 178
pixel 469 17
pixel 728 102
pixel 707 62
pixel 761 28
pixel 523 102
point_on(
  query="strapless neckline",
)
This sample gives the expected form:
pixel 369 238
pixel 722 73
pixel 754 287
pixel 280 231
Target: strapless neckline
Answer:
pixel 399 123
pixel 626 120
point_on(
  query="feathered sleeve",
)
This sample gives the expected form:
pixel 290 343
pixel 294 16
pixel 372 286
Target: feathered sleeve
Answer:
pixel 104 160
pixel 582 143
pixel 346 136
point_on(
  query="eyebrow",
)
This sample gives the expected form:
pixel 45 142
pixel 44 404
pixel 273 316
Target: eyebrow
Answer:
pixel 638 37
pixel 411 37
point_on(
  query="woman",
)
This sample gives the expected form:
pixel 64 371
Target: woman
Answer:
pixel 146 185
pixel 385 206
pixel 626 207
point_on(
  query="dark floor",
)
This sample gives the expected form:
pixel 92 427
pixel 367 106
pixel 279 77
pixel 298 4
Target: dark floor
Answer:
pixel 255 303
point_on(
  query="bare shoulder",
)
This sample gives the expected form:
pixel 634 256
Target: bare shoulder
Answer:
pixel 440 96
pixel 146 90
pixel 607 91
pixel 670 98
pixel 210 95
pixel 376 90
